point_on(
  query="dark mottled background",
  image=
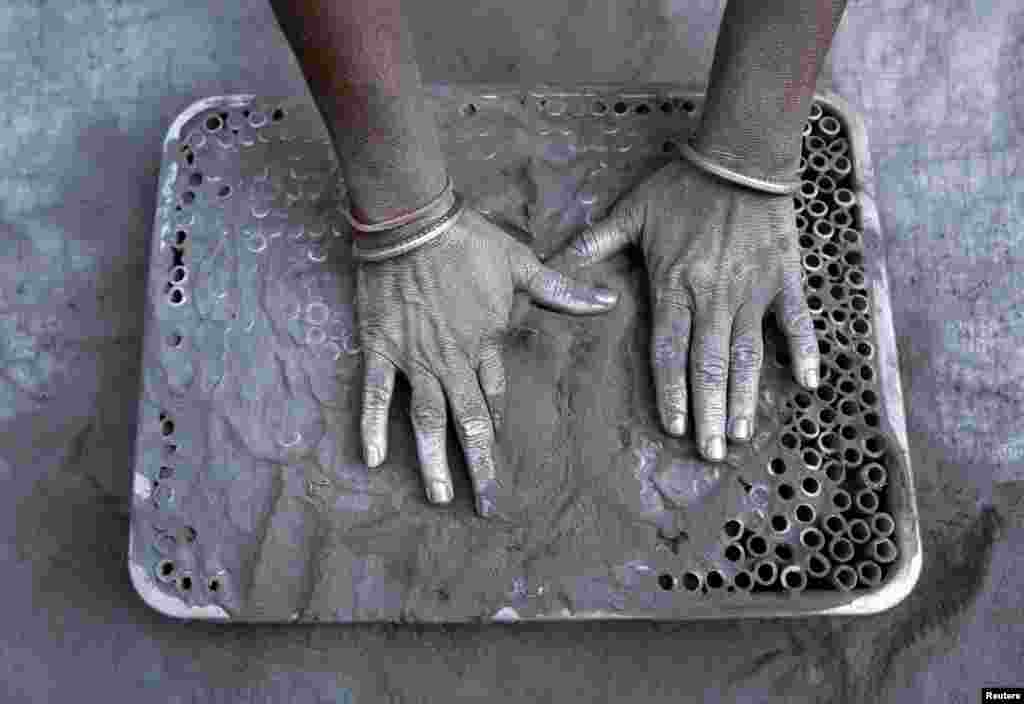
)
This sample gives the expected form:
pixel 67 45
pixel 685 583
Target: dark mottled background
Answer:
pixel 89 89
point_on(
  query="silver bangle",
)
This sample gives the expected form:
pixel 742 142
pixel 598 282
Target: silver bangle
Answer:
pixel 698 159
pixel 346 210
pixel 431 233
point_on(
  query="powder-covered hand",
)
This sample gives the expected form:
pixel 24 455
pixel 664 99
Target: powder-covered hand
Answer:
pixel 718 255
pixel 437 313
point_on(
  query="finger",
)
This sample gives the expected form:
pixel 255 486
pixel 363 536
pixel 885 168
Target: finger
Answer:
pixel 557 291
pixel 670 347
pixel 476 434
pixel 492 380
pixel 795 320
pixel 709 371
pixel 602 240
pixel 745 356
pixel 378 387
pixel 429 422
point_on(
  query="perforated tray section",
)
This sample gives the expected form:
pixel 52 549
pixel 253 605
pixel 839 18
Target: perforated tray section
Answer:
pixel 251 498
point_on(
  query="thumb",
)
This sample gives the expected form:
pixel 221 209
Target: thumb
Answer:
pixel 601 240
pixel 559 292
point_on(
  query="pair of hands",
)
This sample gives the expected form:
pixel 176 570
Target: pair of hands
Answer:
pixel 718 256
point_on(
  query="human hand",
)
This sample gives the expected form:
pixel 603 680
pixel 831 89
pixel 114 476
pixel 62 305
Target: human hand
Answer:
pixel 437 314
pixel 718 255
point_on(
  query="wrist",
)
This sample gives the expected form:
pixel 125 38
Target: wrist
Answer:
pixel 377 246
pixel 762 154
pixel 400 222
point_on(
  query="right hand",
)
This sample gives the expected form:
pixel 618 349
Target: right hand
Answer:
pixel 718 255
pixel 437 314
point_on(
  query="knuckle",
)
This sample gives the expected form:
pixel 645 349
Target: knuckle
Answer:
pixel 427 415
pixel 711 369
pixel 746 353
pixel 674 298
pixel 549 284
pixel 711 417
pixel 586 245
pixel 477 427
pixel 673 397
pixel 481 463
pixel 376 397
pixel 666 351
pixel 791 271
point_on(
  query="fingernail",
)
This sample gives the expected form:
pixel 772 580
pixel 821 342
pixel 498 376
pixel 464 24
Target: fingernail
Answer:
pixel 374 456
pixel 811 378
pixel 439 492
pixel 715 448
pixel 741 428
pixel 606 297
pixel 677 426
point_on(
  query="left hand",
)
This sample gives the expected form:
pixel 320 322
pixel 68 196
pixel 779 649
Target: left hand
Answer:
pixel 718 257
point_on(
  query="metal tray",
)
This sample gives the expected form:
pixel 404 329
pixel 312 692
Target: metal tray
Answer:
pixel 251 501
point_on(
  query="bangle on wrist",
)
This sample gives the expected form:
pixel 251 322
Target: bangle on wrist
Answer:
pixel 386 238
pixel 367 249
pixel 419 213
pixel 697 159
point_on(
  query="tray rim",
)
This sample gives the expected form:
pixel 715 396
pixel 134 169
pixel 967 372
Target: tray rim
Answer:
pixel 908 569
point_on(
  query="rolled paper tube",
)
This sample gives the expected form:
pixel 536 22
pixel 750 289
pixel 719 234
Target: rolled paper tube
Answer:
pixel 840 145
pixel 819 162
pixel 882 550
pixel 805 513
pixel 733 528
pixel 859 531
pixel 766 572
pixel 866 501
pixel 840 219
pixel 812 538
pixel 841 165
pixel 815 144
pixel 841 500
pixel 816 208
pixel 714 580
pixel 808 189
pixel 829 126
pixel 869 572
pixel 835 525
pixel 844 577
pixel 840 549
pixel 882 524
pixel 818 565
pixel 793 578
pixel 734 552
pixel 692 581
pixel 873 475
pixel 757 546
pixel 743 581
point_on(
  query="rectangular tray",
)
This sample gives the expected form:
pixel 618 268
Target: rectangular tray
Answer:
pixel 252 502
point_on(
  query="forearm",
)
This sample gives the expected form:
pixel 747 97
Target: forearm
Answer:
pixel 767 60
pixel 359 61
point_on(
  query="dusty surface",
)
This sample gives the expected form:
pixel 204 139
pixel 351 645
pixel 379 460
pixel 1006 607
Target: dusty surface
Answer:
pixel 89 91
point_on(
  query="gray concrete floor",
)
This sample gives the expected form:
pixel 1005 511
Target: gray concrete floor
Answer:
pixel 88 89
